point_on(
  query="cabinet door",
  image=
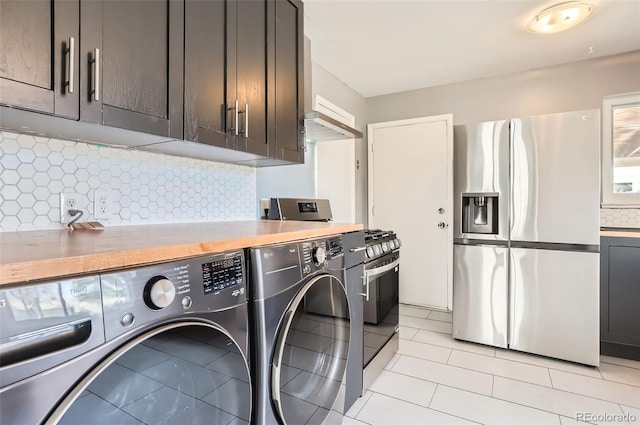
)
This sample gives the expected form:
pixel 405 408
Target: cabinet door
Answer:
pixel 250 74
pixel 132 53
pixel 38 70
pixel 205 66
pixel 288 81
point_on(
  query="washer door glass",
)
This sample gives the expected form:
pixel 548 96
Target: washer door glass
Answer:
pixel 311 352
pixel 187 374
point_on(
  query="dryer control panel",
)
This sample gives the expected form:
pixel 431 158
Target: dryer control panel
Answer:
pixel 143 295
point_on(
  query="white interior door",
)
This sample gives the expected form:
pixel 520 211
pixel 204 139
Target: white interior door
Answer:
pixel 411 193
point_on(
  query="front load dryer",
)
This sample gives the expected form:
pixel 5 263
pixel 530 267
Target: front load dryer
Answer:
pixel 302 331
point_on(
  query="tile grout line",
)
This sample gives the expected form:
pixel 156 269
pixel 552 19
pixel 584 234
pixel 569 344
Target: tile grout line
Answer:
pixel 443 364
pixel 419 405
pixel 501 376
pixel 355 416
pixel 561 390
pixel 449 356
pixel 600 379
pixel 500 399
pixel 493 383
pixel 433 396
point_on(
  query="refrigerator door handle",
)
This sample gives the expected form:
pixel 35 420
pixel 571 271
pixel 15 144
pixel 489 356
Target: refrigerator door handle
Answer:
pixel 554 246
pixel 511 296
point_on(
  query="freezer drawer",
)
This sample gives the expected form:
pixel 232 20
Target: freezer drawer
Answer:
pixel 554 299
pixel 480 284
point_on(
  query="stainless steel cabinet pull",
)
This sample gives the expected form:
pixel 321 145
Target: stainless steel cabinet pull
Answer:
pixel 440 210
pixel 70 51
pixel 95 63
pixel 236 124
pixel 246 120
pixel 358 249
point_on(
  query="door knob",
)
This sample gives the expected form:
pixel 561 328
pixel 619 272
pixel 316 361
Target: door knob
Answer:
pixel 443 225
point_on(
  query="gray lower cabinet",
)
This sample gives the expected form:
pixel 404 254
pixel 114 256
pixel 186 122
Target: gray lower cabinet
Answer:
pixel 620 297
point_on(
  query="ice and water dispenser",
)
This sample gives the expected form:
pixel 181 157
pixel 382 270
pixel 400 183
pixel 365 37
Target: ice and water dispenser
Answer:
pixel 480 213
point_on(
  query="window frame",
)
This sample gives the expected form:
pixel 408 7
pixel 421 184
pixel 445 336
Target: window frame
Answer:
pixel 609 198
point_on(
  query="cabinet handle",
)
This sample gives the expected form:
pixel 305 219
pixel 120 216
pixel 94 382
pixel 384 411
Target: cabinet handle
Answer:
pixel 246 120
pixel 70 51
pixel 237 124
pixel 235 113
pixel 95 64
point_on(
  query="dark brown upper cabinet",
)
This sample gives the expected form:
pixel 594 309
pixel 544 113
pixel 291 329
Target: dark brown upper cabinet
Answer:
pixel 132 53
pixel 39 50
pixel 205 99
pixel 287 83
pixel 226 74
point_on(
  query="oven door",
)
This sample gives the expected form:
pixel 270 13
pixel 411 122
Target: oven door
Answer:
pixel 381 317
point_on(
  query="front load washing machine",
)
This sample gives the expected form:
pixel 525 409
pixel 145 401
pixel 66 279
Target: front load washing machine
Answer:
pixel 303 320
pixel 161 344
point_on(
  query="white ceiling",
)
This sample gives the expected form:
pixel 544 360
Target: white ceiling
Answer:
pixel 387 46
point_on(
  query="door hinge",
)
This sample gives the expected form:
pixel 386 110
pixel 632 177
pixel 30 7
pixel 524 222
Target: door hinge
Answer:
pixel 372 149
pixel 373 210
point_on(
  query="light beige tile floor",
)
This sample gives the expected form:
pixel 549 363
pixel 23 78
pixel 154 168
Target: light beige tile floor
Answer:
pixel 435 379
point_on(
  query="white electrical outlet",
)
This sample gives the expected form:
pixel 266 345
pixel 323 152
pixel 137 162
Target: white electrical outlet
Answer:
pixel 68 201
pixel 102 204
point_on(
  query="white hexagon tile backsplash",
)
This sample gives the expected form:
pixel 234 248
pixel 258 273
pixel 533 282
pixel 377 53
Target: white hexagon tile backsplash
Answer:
pixel 620 217
pixel 144 187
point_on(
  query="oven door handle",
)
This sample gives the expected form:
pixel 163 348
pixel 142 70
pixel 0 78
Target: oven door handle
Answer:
pixel 380 270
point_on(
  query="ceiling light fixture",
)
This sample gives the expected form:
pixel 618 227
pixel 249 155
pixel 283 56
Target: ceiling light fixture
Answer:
pixel 560 17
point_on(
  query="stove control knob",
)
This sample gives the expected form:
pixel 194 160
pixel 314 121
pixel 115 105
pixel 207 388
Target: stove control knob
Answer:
pixel 159 292
pixel 370 252
pixel 319 255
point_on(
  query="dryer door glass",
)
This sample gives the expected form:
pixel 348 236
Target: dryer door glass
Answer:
pixel 182 374
pixel 311 352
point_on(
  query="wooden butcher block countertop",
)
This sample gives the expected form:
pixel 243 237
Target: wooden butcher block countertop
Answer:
pixel 48 254
pixel 620 233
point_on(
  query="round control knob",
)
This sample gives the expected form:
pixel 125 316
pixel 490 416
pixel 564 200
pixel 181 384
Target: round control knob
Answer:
pixel 319 256
pixel 159 292
pixel 187 302
pixel 127 319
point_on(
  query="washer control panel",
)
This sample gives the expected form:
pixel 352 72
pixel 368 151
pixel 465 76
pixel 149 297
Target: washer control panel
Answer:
pixel 139 296
pixel 321 253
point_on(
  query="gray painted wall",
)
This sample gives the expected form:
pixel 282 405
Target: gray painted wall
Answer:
pixel 569 87
pixel 299 180
pixel 334 90
pixel 574 86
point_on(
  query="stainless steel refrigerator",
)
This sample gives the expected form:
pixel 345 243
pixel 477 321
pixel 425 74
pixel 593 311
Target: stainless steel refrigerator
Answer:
pixel 526 247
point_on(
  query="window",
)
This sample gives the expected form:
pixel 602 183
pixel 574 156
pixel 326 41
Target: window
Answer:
pixel 621 150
